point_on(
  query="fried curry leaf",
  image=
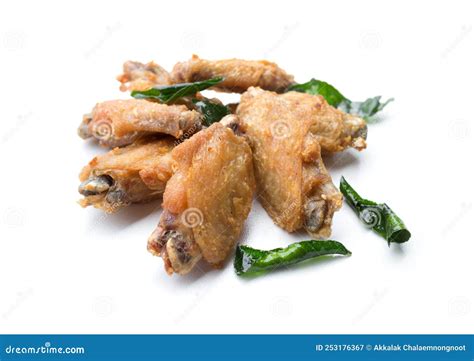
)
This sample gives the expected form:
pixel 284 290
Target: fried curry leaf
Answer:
pixel 212 112
pixel 377 216
pixel 253 261
pixel 366 109
pixel 318 87
pixel 169 93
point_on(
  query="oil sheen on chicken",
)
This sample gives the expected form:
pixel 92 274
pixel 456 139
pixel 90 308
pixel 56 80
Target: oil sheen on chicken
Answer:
pixel 293 184
pixel 206 201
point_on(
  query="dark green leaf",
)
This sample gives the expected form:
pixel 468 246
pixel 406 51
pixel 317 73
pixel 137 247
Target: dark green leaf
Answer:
pixel 213 112
pixel 377 216
pixel 318 87
pixel 169 93
pixel 252 261
pixel 366 109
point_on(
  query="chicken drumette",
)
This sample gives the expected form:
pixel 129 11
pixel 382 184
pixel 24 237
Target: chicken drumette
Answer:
pixel 206 201
pixel 285 132
pixel 133 174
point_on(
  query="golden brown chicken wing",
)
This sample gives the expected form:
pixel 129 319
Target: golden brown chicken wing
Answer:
pixel 238 74
pixel 333 129
pixel 116 123
pixel 293 184
pixel 206 201
pixel 133 174
pixel 138 76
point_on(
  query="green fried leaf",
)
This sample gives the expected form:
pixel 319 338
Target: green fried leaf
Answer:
pixel 253 261
pixel 212 112
pixel 366 109
pixel 170 93
pixel 378 216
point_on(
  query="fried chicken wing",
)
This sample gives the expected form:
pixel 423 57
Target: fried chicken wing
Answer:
pixel 206 201
pixel 133 174
pixel 333 129
pixel 116 123
pixel 238 74
pixel 293 184
pixel 138 76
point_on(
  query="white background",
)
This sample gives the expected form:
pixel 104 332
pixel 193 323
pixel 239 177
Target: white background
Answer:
pixel 64 269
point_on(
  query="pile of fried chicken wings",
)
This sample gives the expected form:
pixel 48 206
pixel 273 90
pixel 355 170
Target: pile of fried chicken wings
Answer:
pixel 208 168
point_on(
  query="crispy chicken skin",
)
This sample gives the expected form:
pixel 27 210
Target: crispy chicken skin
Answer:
pixel 133 174
pixel 238 74
pixel 138 76
pixel 333 129
pixel 206 201
pixel 116 123
pixel 293 184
